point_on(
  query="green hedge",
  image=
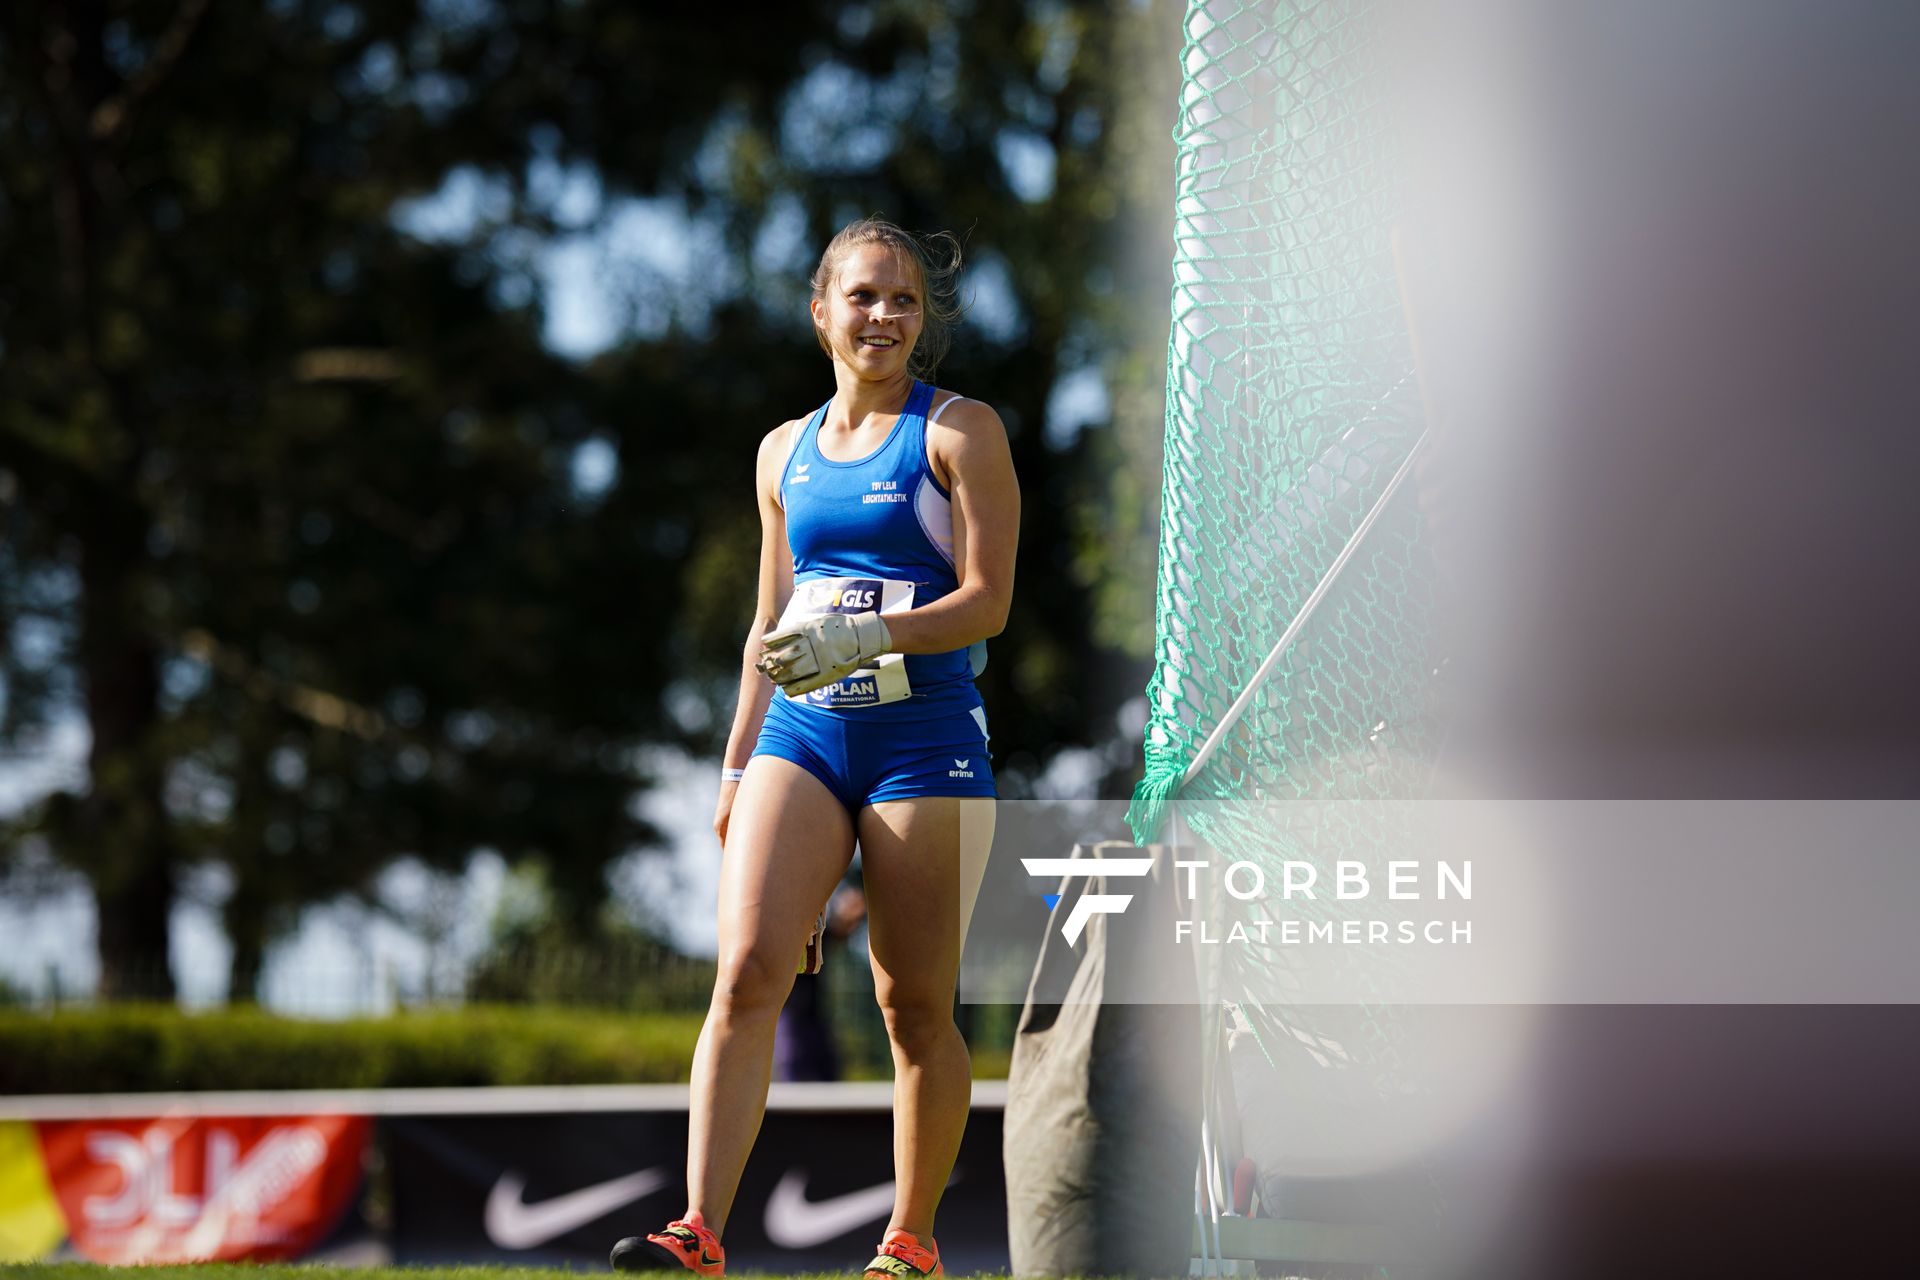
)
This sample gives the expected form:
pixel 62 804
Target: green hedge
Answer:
pixel 143 1048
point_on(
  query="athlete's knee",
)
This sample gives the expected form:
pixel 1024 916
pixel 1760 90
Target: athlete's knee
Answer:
pixel 752 980
pixel 916 1024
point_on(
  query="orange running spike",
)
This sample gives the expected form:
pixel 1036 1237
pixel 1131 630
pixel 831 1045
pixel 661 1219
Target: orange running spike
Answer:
pixel 684 1243
pixel 903 1257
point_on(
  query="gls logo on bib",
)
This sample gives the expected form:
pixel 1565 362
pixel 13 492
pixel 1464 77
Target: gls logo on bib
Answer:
pixel 841 595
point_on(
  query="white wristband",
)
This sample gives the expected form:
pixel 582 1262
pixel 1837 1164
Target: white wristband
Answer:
pixel 732 775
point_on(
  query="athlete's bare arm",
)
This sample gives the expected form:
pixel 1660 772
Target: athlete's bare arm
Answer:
pixel 774 590
pixel 968 452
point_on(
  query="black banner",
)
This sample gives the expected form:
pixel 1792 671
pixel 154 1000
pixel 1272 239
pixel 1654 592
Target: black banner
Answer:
pixel 561 1188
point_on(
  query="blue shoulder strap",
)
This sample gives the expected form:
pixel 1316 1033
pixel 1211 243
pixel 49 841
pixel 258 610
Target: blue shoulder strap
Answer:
pixel 920 401
pixel 807 429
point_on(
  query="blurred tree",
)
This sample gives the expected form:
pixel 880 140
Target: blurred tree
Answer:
pixel 531 956
pixel 298 510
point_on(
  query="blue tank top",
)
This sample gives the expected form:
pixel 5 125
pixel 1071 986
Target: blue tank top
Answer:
pixel 882 517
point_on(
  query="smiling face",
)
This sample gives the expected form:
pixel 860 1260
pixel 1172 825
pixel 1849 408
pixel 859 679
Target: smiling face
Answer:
pixel 870 316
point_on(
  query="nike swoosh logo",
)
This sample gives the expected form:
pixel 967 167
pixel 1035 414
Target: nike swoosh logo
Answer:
pixel 514 1224
pixel 795 1222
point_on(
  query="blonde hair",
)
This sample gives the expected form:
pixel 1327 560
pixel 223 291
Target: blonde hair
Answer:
pixel 937 258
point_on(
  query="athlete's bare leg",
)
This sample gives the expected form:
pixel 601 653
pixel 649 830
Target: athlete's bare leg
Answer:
pixel 921 864
pixel 788 843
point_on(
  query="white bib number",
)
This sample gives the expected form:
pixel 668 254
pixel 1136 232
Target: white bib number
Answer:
pixel 886 679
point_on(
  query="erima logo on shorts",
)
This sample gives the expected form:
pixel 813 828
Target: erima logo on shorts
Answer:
pixel 960 769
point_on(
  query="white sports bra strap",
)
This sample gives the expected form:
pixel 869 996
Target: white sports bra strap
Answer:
pixel 944 406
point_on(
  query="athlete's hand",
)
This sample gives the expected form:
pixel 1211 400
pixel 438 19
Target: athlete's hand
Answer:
pixel 723 811
pixel 822 651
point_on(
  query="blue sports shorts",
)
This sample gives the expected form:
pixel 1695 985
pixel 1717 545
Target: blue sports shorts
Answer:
pixel 864 762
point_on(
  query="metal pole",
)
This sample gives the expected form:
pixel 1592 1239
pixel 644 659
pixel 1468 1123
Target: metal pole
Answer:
pixel 1300 619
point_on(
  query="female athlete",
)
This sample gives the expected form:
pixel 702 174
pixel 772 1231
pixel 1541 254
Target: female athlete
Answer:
pixel 888 519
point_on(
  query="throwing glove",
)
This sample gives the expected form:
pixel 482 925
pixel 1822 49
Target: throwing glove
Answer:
pixel 822 651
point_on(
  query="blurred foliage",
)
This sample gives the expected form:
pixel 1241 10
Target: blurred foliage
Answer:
pixel 294 510
pixel 131 1047
pixel 135 1048
pixel 540 960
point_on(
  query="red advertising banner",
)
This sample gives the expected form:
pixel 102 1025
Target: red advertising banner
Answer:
pixel 193 1188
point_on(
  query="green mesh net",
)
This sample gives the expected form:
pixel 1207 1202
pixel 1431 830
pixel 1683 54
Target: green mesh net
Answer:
pixel 1292 403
